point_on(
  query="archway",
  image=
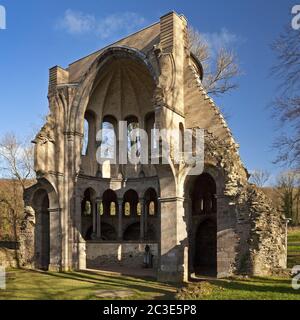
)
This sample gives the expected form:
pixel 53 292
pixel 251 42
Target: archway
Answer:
pixel 42 231
pixel 87 214
pixel 205 259
pixel 110 203
pixel 130 204
pixel 204 195
pixel 132 233
pixel 108 232
pixel 203 225
pixel 151 214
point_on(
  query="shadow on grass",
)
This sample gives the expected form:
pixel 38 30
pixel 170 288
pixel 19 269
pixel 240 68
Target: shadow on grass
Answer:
pixel 139 285
pixel 263 285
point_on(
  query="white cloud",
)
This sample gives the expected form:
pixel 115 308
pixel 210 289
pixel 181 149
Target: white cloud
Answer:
pixel 111 24
pixel 75 22
pixel 222 39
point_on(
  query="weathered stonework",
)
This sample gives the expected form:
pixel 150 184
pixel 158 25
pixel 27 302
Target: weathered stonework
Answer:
pixel 26 239
pixel 212 223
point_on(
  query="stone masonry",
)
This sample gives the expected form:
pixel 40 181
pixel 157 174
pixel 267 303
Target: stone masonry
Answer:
pixel 215 223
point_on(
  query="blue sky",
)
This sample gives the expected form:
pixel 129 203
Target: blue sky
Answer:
pixel 41 34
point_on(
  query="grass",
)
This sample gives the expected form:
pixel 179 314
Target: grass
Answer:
pixel 294 247
pixel 243 289
pixel 34 285
pixel 294 235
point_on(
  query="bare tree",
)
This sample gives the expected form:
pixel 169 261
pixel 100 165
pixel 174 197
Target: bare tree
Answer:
pixel 286 107
pixel 260 177
pixel 220 72
pixel 16 159
pixel 288 184
pixel 16 164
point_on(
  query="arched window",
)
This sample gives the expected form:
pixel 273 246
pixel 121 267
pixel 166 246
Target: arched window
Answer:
pixel 85 141
pixel 204 195
pixel 127 209
pixel 108 139
pixel 113 210
pixel 89 131
pixel 151 208
pixel 87 211
pixel 87 214
pixel 133 140
pixel 181 131
pixel 109 200
pixel 139 209
pixel 100 209
pixel 151 202
pixel 130 203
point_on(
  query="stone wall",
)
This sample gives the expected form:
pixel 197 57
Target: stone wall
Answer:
pixel 118 254
pixel 8 258
pixel 265 228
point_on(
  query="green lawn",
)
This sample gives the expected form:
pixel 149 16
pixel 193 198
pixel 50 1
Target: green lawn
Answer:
pixel 246 289
pixel 85 285
pixel 294 235
pixel 293 247
pixel 35 285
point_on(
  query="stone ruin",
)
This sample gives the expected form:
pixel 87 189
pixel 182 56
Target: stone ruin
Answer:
pixel 93 215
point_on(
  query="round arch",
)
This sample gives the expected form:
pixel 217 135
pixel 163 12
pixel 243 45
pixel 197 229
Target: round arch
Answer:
pixel 132 232
pixel 40 203
pixel 130 203
pixel 205 254
pixel 87 213
pixel 87 83
pixel 150 196
pixel 109 197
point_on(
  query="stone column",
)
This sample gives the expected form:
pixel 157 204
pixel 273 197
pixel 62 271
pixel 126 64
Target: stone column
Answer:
pixel 98 204
pixel 120 219
pixel 145 221
pixel 187 204
pixel 142 220
pixel 81 248
pixel 173 247
pixel 94 213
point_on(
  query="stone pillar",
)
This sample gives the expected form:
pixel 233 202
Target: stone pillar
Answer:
pixel 173 248
pixel 98 215
pixel 190 236
pixel 81 248
pixel 94 213
pixel 145 221
pixel 120 219
pixel 55 239
pixel 142 220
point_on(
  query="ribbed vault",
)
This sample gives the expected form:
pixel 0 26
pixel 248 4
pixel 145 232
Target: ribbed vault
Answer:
pixel 123 87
